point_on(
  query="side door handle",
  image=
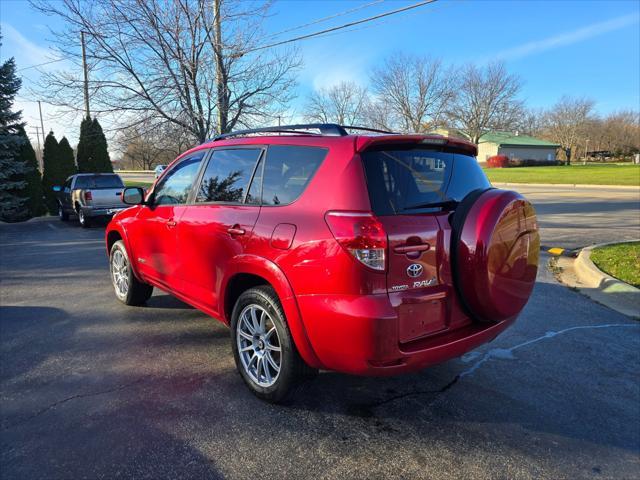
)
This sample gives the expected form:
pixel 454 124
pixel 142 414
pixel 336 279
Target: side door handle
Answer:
pixel 235 230
pixel 171 223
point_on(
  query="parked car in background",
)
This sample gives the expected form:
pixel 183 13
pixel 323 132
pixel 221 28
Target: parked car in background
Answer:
pixel 90 195
pixel 158 170
pixel 364 254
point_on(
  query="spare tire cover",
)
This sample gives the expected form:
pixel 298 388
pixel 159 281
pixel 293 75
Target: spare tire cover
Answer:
pixel 494 253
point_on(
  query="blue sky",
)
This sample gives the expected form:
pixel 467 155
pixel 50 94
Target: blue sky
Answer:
pixel 581 48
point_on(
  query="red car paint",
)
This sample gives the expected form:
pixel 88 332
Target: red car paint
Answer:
pixel 344 315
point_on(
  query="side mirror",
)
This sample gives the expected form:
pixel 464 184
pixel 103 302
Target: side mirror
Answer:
pixel 57 188
pixel 133 196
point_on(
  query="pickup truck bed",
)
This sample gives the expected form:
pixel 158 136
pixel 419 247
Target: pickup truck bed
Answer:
pixel 90 195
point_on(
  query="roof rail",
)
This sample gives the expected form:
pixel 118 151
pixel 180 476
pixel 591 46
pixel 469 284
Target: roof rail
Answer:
pixel 324 128
pixel 332 129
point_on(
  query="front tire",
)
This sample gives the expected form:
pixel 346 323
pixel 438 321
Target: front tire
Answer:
pixel 263 349
pixel 129 290
pixel 62 215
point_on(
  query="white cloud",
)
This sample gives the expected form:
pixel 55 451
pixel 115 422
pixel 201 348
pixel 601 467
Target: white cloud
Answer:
pixel 564 39
pixel 26 54
pixel 24 50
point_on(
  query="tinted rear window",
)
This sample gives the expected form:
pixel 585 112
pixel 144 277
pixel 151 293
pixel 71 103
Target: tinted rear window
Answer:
pixel 98 181
pixel 399 179
pixel 287 171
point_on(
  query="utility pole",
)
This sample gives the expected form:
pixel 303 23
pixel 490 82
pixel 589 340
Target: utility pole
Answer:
pixel 42 126
pixel 86 76
pixel 220 74
pixel 39 151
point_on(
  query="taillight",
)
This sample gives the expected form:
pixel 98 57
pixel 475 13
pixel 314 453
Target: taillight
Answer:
pixel 360 234
pixel 88 196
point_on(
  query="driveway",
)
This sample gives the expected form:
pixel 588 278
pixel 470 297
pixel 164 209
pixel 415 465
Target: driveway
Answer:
pixel 90 388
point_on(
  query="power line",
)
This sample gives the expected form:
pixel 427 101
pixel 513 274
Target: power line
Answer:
pixel 42 64
pixel 324 19
pixel 340 27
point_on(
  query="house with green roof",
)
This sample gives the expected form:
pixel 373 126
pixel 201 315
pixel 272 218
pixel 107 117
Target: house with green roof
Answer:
pixel 516 147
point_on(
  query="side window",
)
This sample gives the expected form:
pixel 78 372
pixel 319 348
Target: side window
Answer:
pixel 227 175
pixel 67 184
pixel 176 185
pixel 287 172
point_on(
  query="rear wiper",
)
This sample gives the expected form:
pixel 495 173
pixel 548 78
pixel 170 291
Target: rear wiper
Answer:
pixel 444 204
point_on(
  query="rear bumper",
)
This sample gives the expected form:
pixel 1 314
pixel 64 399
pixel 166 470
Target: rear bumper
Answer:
pixel 102 212
pixel 359 335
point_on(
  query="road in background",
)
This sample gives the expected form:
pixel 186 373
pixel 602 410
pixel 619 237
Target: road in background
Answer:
pixel 90 388
pixel 578 217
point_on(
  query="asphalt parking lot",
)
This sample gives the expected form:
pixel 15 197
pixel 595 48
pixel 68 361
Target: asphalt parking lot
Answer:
pixel 90 388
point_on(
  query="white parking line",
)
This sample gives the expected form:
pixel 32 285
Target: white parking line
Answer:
pixel 51 226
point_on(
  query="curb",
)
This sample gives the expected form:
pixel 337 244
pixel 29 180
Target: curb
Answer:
pixel 567 185
pixel 628 301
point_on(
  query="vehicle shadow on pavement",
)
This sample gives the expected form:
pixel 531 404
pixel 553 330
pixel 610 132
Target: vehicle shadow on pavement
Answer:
pixel 545 379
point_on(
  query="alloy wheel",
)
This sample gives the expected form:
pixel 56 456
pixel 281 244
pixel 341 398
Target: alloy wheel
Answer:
pixel 120 273
pixel 259 345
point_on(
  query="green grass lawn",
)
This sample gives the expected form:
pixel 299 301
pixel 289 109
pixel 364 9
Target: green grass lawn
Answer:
pixel 133 183
pixel 621 261
pixel 575 174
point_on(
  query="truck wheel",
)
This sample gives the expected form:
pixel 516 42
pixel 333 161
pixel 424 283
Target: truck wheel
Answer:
pixel 263 348
pixel 85 221
pixel 129 290
pixel 62 215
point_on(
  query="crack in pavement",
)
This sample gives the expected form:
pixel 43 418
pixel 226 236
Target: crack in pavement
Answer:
pixel 366 410
pixel 65 400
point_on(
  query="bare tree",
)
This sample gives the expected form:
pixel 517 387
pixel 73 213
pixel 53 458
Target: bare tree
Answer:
pixel 146 145
pixel 414 93
pixel 190 63
pixel 344 104
pixel 486 100
pixel 567 123
pixel 529 122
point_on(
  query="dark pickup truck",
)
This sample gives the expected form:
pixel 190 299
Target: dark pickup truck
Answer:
pixel 90 195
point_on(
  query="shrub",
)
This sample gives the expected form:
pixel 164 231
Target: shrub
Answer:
pixel 498 161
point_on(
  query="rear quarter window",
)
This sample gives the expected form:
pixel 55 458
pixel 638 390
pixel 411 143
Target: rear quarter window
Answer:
pixel 287 172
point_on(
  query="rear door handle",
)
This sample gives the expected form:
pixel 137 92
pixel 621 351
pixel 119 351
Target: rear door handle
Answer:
pixel 235 230
pixel 171 223
pixel 422 247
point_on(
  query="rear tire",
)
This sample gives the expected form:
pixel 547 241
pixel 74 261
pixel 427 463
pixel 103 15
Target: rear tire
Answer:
pixel 85 221
pixel 129 290
pixel 263 348
pixel 62 215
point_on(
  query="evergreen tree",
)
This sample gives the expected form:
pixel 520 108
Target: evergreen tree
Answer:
pixel 101 158
pixel 52 175
pixel 33 178
pixel 13 201
pixel 93 154
pixel 84 148
pixel 67 165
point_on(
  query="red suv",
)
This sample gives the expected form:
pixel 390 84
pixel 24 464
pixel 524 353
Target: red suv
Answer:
pixel 371 254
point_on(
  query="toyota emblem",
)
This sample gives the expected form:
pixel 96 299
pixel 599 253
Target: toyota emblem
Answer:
pixel 414 270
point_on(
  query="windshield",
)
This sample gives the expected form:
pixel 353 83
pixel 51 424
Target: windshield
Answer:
pixel 98 181
pixel 414 180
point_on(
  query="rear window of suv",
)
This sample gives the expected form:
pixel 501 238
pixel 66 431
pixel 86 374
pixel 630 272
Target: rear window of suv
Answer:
pixel 98 181
pixel 401 180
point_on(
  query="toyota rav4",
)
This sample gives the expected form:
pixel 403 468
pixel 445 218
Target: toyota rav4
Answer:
pixel 330 247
